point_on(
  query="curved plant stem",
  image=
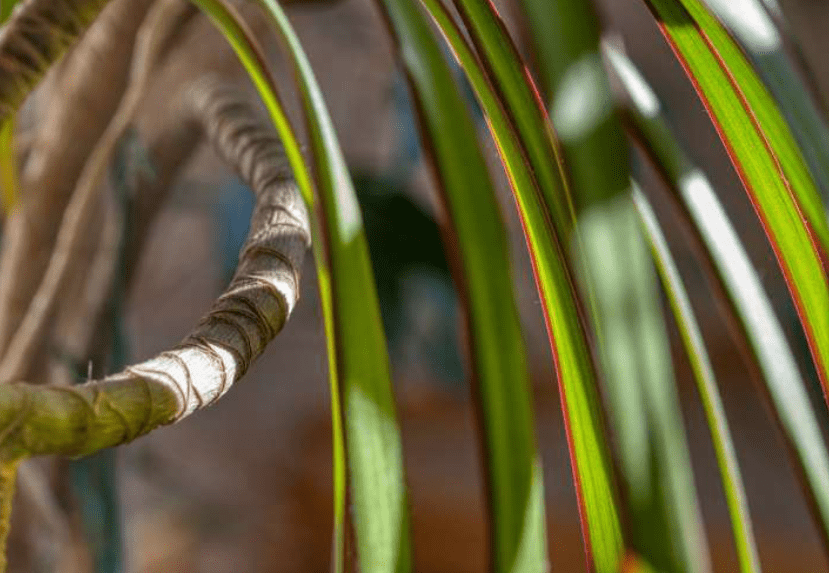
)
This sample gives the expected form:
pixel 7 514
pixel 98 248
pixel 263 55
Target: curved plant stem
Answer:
pixel 84 94
pixel 84 419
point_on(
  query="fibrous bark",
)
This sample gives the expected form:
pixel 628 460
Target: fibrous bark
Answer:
pixel 37 420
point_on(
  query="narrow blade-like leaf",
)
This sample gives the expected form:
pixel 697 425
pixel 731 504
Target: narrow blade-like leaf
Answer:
pixel 484 281
pixel 706 385
pixel 522 105
pixel 740 281
pixel 589 452
pixel 765 156
pixel 566 37
pixel 665 520
pixel 765 46
pixel 357 349
pixel 372 437
pixel 666 526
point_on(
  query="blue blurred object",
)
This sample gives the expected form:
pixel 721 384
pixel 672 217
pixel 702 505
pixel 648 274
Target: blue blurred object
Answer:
pixel 231 221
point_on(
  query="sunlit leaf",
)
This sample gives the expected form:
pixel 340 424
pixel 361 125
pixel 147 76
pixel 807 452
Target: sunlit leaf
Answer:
pixel 765 157
pixel 665 523
pixel 757 33
pixel 499 366
pixel 666 526
pixel 362 397
pixel 739 279
pixel 566 39
pixel 577 383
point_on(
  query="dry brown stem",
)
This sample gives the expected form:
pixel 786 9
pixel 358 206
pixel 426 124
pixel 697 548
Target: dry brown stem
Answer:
pixel 84 98
pixel 155 34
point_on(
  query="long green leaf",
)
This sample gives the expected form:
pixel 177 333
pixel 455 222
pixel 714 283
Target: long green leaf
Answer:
pixel 765 156
pixel 739 279
pixel 706 385
pixel 523 106
pixel 577 383
pixel 763 42
pixel 566 36
pixel 498 356
pixel 357 350
pixel 372 436
pixel 665 524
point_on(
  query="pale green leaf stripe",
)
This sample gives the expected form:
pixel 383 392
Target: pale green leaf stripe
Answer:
pixel 758 157
pixel 706 385
pixel 763 42
pixel 762 37
pixel 664 522
pixel 763 330
pixel 589 450
pixel 372 436
pixel 356 345
pixel 496 342
pixel 666 525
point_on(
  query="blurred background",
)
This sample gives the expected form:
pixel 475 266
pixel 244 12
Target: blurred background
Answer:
pixel 246 484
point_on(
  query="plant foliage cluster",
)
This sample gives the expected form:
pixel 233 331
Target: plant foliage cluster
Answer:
pixel 563 127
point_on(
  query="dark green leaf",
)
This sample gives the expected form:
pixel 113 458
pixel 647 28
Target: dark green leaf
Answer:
pixel 479 241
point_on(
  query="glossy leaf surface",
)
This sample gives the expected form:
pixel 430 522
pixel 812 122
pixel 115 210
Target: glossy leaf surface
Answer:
pixel 740 280
pixel 764 155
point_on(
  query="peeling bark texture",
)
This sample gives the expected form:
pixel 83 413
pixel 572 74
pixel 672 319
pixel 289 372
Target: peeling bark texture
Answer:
pixel 37 33
pixel 170 134
pixel 159 27
pixel 79 420
pixel 84 98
